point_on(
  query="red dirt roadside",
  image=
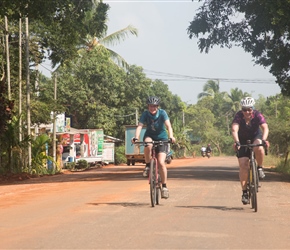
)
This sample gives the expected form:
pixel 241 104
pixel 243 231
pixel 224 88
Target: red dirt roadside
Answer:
pixel 26 178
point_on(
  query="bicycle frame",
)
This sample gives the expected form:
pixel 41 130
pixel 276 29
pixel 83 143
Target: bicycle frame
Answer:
pixel 253 179
pixel 154 177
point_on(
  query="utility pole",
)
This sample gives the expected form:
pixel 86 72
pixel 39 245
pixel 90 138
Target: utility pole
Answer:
pixel 28 90
pixel 7 57
pixel 136 115
pixel 276 113
pixel 54 123
pixel 20 79
pixel 183 118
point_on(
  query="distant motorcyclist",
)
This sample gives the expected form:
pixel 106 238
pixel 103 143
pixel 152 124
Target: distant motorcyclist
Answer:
pixel 208 148
pixel 203 151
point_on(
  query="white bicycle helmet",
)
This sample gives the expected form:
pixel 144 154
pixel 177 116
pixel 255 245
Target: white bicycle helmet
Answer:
pixel 247 102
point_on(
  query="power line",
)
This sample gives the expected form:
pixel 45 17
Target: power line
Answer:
pixel 169 77
pixel 156 75
pixel 46 68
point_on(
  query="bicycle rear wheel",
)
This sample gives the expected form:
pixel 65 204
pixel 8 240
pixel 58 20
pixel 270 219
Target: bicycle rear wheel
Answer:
pixel 152 178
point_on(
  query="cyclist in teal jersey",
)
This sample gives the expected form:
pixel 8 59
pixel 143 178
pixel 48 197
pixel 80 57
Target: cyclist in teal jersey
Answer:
pixel 158 128
pixel 249 124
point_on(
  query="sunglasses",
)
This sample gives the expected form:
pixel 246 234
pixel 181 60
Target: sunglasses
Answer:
pixel 153 106
pixel 247 109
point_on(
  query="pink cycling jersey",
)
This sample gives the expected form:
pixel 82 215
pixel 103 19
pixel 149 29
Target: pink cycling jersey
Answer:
pixel 251 130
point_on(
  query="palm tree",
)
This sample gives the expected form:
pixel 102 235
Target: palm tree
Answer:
pixel 97 36
pixel 111 40
pixel 211 88
pixel 233 104
pixel 235 97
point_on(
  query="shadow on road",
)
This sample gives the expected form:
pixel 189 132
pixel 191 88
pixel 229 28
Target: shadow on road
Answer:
pixel 121 204
pixel 223 208
pixel 124 173
pixel 209 173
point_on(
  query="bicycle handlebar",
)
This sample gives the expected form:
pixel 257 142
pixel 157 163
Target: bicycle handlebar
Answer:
pixel 153 142
pixel 249 145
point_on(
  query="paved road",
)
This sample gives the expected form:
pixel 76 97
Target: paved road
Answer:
pixel 109 208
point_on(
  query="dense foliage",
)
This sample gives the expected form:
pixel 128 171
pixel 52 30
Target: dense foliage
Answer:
pixel 261 27
pixel 97 93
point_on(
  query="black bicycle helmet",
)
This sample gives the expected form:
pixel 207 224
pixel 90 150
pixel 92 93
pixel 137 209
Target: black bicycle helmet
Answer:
pixel 153 100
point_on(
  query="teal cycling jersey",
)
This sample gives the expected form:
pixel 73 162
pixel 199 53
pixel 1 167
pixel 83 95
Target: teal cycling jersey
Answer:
pixel 155 125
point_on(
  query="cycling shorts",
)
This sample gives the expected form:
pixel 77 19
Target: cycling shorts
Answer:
pixel 162 148
pixel 245 152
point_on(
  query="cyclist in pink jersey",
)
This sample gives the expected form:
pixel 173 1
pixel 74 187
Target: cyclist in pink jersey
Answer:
pixel 249 124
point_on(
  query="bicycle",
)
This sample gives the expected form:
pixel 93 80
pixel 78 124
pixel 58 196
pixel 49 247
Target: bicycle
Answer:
pixel 154 176
pixel 253 176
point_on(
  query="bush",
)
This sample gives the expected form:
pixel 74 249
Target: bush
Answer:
pixel 82 164
pixel 70 165
pixel 120 156
pixel 279 164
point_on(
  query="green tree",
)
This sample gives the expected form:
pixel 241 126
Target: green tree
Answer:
pixel 104 41
pixel 94 83
pixel 276 109
pixel 262 30
pixel 55 32
pixel 199 120
pixel 210 88
pixel 12 158
pixel 55 25
pixel 235 98
pixel 215 101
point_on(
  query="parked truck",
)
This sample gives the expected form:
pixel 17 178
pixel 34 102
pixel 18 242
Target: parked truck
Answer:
pixel 134 153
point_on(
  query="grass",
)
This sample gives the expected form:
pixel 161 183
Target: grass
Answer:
pixel 277 164
pixel 271 161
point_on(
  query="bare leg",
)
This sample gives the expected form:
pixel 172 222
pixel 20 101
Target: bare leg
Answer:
pixel 147 150
pixel 259 153
pixel 162 167
pixel 244 171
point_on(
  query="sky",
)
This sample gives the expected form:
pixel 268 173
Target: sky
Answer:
pixel 164 51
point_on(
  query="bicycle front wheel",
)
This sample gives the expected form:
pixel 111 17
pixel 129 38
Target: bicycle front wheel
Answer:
pixel 152 178
pixel 158 189
pixel 254 186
